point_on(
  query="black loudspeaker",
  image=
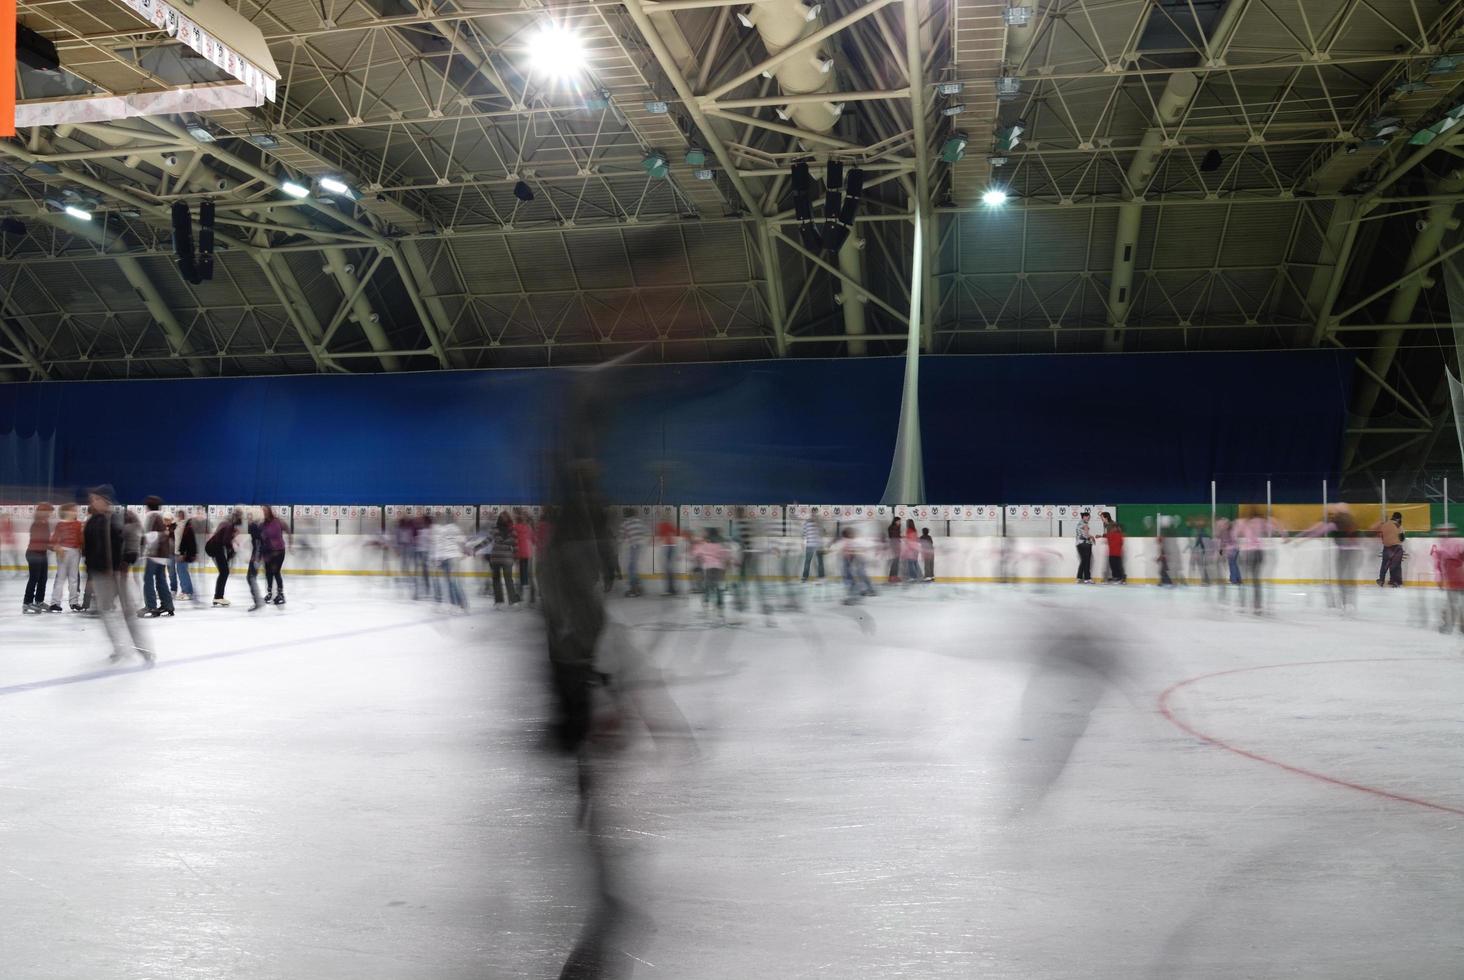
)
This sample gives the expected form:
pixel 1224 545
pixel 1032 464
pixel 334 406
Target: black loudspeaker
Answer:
pixel 206 240
pixel 802 181
pixel 523 192
pixel 1211 162
pixel 834 176
pixel 183 242
pixel 34 51
pixel 854 186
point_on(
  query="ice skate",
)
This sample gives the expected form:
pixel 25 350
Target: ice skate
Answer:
pixel 222 602
pixel 279 600
pixel 30 609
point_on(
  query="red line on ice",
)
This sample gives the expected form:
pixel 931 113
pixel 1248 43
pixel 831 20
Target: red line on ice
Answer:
pixel 1168 713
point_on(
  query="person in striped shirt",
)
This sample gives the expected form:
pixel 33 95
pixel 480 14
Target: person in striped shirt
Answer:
pixel 813 545
pixel 635 536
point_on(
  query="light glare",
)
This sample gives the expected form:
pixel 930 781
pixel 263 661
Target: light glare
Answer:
pixel 294 190
pixel 76 212
pixel 557 52
pixel 334 185
pixel 994 198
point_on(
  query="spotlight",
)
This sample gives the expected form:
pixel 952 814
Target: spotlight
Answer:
pixel 77 212
pixel 1008 87
pixel 294 190
pixel 657 107
pixel 703 174
pixel 811 11
pixel 954 148
pixel 955 109
pixel 335 186
pixel 1211 162
pixel 824 65
pixel 994 198
pixel 949 88
pixel 656 165
pixel 556 51
pixel 744 18
pixel 170 160
pixel 200 133
pixel 264 141
pixel 523 192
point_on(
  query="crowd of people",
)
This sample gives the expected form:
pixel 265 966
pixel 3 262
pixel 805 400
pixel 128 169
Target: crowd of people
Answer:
pixel 100 555
pixel 98 560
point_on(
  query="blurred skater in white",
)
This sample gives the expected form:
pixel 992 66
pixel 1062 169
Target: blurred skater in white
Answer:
pixel 1346 553
pixel 449 544
pixel 852 554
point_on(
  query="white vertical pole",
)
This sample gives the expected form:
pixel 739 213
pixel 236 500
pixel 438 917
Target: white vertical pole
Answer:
pixel 1268 508
pixel 1385 500
pixel 1212 508
pixel 906 484
pixel 1446 502
pixel 1324 500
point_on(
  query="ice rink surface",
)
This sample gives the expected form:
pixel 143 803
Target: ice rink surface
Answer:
pixel 992 782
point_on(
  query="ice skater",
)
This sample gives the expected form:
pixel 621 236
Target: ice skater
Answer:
pixel 1083 536
pixel 158 543
pixel 1113 537
pixel 220 547
pixel 67 543
pixel 274 543
pixel 38 562
pixel 106 571
pixel 1390 536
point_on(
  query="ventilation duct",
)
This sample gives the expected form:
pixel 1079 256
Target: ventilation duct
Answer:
pixel 780 23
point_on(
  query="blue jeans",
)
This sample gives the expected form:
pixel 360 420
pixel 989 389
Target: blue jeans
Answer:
pixel 810 554
pixel 454 591
pixel 856 580
pixel 184 578
pixel 172 575
pixel 1234 567
pixel 632 573
pixel 155 586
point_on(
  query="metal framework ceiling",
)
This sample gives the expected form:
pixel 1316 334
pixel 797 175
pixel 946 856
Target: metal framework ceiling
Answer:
pixel 1192 174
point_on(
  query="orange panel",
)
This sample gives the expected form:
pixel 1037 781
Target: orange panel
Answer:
pixel 7 67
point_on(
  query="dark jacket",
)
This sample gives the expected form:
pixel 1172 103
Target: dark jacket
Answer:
pixel 187 543
pixel 101 544
pixel 221 545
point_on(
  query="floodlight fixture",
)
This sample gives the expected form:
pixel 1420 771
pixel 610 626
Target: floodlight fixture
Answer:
pixel 696 157
pixel 954 148
pixel 334 185
pixel 1017 16
pixel 556 51
pixel 656 164
pixel 77 212
pixel 949 88
pixel 744 18
pixel 295 190
pixel 954 109
pixel 201 133
pixel 1008 87
pixel 994 198
pixel 523 192
pixel 704 174
pixel 657 107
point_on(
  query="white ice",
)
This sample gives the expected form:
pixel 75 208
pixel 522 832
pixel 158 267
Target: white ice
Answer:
pixel 355 786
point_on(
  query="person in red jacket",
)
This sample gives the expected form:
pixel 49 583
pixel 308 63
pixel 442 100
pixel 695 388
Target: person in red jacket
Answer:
pixel 523 553
pixel 1113 534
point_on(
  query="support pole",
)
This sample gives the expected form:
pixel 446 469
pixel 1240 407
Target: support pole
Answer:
pixel 1213 510
pixel 1268 508
pixel 1324 501
pixel 1385 500
pixel 906 484
pixel 1446 500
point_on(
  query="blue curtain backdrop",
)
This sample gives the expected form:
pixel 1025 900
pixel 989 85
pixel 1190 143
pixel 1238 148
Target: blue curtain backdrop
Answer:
pixel 1124 428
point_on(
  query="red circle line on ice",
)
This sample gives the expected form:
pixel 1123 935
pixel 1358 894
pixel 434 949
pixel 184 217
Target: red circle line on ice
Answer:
pixel 1168 712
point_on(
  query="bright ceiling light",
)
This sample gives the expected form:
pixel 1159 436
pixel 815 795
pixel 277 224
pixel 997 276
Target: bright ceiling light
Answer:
pixel 334 185
pixel 76 212
pixel 994 198
pixel 556 51
pixel 294 190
